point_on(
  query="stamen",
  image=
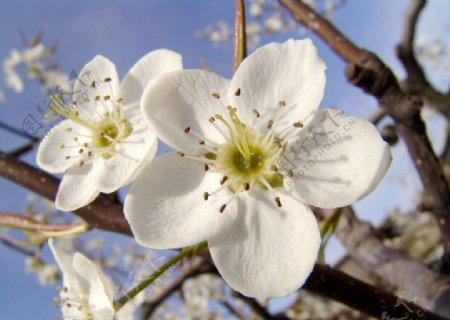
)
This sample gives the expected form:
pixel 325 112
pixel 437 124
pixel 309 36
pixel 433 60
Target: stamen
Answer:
pixel 222 208
pixel 278 202
pixel 205 195
pixel 270 124
pixel 298 124
pixel 281 103
pixel 206 167
pixel 238 92
pixel 216 95
pixel 257 114
pixel 246 186
pixel 187 129
pixel 224 178
pixel 107 79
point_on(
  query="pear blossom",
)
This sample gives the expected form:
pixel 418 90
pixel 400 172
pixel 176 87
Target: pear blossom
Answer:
pixel 250 155
pixel 104 140
pixel 87 292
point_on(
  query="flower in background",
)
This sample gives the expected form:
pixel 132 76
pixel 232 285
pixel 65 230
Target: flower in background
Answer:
pixel 104 140
pixel 252 154
pixel 87 292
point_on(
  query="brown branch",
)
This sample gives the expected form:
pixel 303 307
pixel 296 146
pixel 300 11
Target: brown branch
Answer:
pixel 100 214
pixel 400 270
pixel 416 81
pixel 366 71
pixel 361 296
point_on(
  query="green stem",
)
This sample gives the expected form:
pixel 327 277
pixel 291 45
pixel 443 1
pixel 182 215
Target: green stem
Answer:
pixel 119 303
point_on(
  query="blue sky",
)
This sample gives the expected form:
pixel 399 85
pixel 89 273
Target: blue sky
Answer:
pixel 124 31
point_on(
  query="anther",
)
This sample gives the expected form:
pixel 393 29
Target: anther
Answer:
pixel 212 119
pixel 246 186
pixel 224 178
pixel 298 124
pixel 106 98
pixel 274 168
pixel 81 163
pixel 281 103
pixel 187 129
pixel 73 102
pixel 75 139
pixel 181 154
pixel 68 129
pixel 201 142
pixel 205 195
pixel 61 146
pixel 277 142
pixel 290 173
pixel 67 157
pixel 119 100
pixel 256 113
pixel 238 92
pixel 107 79
pixel 89 153
pixel 278 202
pixel 93 84
pixel 216 95
pixel 222 208
pixel 206 167
pixel 97 98
pixel 270 124
pixel 81 151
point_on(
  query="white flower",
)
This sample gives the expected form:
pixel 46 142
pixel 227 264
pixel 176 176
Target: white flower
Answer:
pixel 87 292
pixel 104 140
pixel 254 152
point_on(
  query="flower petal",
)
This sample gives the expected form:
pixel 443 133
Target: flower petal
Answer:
pixel 100 287
pixel 337 159
pixel 50 155
pixel 65 263
pixel 291 73
pixel 146 69
pixel 268 251
pixel 184 99
pixel 165 205
pixel 76 189
pixel 97 78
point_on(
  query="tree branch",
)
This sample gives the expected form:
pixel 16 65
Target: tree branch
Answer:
pixel 366 71
pixel 416 81
pixel 100 214
pixel 365 247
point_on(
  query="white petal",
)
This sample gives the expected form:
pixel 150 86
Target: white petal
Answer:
pixel 337 159
pixel 135 151
pixel 268 251
pixel 65 263
pixel 291 72
pixel 91 82
pixel 100 288
pixel 51 156
pixel 145 70
pixel 182 99
pixel 77 188
pixel 165 205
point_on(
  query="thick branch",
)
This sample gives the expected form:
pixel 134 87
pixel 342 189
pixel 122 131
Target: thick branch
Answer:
pixel 364 246
pixel 100 214
pixel 366 71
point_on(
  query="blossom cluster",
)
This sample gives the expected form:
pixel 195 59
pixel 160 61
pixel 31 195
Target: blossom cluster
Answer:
pixel 250 156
